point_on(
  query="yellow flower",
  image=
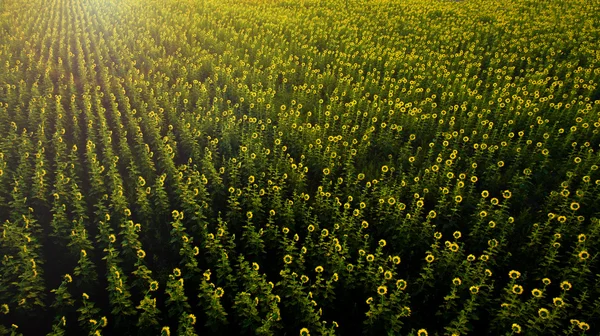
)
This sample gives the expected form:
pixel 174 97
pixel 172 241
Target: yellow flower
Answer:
pixel 177 272
pixel 304 279
pixel 474 289
pixel 382 243
pixel 457 234
pixel 382 290
pixel 559 302
pixel 165 331
pixel 319 269
pixel 536 293
pixel 324 233
pixel 287 259
pixel 388 275
pixel 583 255
pixel 370 258
pixel 369 300
pixel 153 286
pixel 249 214
pixel 574 206
pixel 304 332
pixel 401 284
pixel 546 281
pixel 396 260
pixel 255 266
pixel 429 258
pixel 456 281
pixel 565 285
pixel 517 289
pixel 516 328
pixel 141 253
pixel 422 332
pixel 219 292
pixel 584 326
pixel 543 313
pixel 68 278
pixel 581 238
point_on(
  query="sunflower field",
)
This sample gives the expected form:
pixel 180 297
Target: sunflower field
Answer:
pixel 306 167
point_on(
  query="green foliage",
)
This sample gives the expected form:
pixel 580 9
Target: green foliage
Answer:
pixel 294 167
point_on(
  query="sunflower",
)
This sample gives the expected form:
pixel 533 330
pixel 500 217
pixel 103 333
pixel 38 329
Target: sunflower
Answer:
pixel 304 332
pixel 544 313
pixel 565 285
pixel 583 326
pixel 153 286
pixel 429 258
pixel 558 302
pixel 382 290
pixel 536 293
pixel 516 328
pixel 517 289
pixel 583 255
